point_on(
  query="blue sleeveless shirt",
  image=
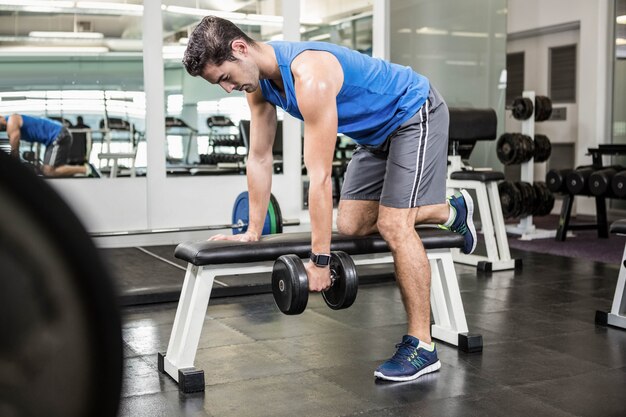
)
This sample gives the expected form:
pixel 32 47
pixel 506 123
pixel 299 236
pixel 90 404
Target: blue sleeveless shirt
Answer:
pixel 376 96
pixel 36 129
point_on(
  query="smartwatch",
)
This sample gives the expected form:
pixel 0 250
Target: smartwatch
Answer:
pixel 321 260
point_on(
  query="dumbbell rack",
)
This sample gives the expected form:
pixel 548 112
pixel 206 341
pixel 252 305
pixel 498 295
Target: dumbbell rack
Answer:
pixel 526 229
pixel 601 218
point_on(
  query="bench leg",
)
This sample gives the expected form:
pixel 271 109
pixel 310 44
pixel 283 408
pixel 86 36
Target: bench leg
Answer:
pixel 617 316
pixel 447 307
pixel 494 232
pixel 190 315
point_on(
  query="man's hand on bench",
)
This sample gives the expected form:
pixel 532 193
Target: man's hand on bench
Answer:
pixel 242 237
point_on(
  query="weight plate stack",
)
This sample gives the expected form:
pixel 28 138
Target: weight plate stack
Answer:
pixel 522 108
pixel 507 148
pixel 528 148
pixel 543 108
pixel 544 202
pixel 527 193
pixel 510 199
pixel 273 219
pixel 543 148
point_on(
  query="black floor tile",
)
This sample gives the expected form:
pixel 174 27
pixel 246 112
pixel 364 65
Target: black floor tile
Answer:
pixel 152 339
pixel 543 354
pixel 302 394
pixel 518 363
pixel 277 325
pixel 600 393
pixel 601 345
pixel 497 403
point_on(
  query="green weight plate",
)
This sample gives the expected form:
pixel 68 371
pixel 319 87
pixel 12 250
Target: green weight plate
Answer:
pixel 277 216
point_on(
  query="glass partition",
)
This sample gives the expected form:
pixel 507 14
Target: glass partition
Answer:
pixel 461 48
pixel 619 75
pixel 81 65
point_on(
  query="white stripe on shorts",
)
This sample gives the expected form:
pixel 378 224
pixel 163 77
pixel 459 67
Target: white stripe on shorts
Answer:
pixel 421 155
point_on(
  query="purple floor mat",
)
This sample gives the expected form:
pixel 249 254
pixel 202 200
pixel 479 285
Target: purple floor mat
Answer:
pixel 584 245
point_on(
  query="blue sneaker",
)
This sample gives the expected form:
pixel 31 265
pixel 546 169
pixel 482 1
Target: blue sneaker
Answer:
pixel 409 362
pixel 463 222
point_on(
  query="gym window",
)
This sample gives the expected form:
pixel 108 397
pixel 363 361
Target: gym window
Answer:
pixel 562 74
pixel 514 76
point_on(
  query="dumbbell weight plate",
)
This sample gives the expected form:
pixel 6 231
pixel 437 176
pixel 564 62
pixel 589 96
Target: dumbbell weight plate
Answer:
pixel 290 284
pixel 510 199
pixel 508 148
pixel 344 290
pixel 522 108
pixel 543 148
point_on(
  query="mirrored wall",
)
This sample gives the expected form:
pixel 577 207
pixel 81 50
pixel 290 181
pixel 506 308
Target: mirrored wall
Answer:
pixel 207 129
pixel 79 64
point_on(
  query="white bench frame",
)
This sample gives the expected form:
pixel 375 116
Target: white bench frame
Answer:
pixel 617 316
pixel 447 307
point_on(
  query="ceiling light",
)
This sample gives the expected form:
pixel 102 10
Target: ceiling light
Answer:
pixel 204 12
pixel 52 50
pixel 431 31
pixel 404 30
pixel 620 41
pixel 471 34
pixel 621 19
pixel 66 35
pixel 124 7
pixel 37 3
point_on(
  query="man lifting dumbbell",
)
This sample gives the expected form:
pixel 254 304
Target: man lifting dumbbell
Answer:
pixel 396 177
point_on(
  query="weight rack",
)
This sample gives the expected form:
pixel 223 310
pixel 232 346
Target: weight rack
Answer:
pixel 601 224
pixel 526 229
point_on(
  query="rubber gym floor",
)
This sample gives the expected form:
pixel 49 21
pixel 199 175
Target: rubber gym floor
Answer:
pixel 543 355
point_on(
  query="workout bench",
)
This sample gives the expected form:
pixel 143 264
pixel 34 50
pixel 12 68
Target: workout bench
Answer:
pixel 617 316
pixel 208 259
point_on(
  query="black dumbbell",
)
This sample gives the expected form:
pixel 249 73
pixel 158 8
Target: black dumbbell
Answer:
pixel 578 181
pixel 618 184
pixel 555 180
pixel 290 283
pixel 600 181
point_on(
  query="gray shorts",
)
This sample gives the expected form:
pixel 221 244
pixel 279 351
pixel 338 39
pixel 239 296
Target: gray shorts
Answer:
pixel 409 169
pixel 58 152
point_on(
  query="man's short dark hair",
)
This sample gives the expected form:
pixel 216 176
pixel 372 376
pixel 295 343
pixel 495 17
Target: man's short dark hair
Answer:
pixel 211 43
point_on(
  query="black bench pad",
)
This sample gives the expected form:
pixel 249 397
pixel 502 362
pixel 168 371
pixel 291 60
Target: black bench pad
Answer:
pixel 482 176
pixel 271 247
pixel 619 227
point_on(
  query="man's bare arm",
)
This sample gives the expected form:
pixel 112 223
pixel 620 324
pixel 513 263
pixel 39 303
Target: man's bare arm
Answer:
pixel 318 79
pixel 13 132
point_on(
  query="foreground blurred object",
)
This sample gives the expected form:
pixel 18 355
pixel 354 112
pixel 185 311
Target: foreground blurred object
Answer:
pixel 61 349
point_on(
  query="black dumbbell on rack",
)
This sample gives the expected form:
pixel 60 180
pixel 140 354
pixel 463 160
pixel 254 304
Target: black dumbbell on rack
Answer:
pixel 290 283
pixel 600 181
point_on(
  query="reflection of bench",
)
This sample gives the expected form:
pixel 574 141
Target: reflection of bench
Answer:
pixel 617 316
pixel 109 125
pixel 208 259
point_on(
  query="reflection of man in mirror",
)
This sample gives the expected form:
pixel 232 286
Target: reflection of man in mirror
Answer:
pixel 397 175
pixel 50 133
